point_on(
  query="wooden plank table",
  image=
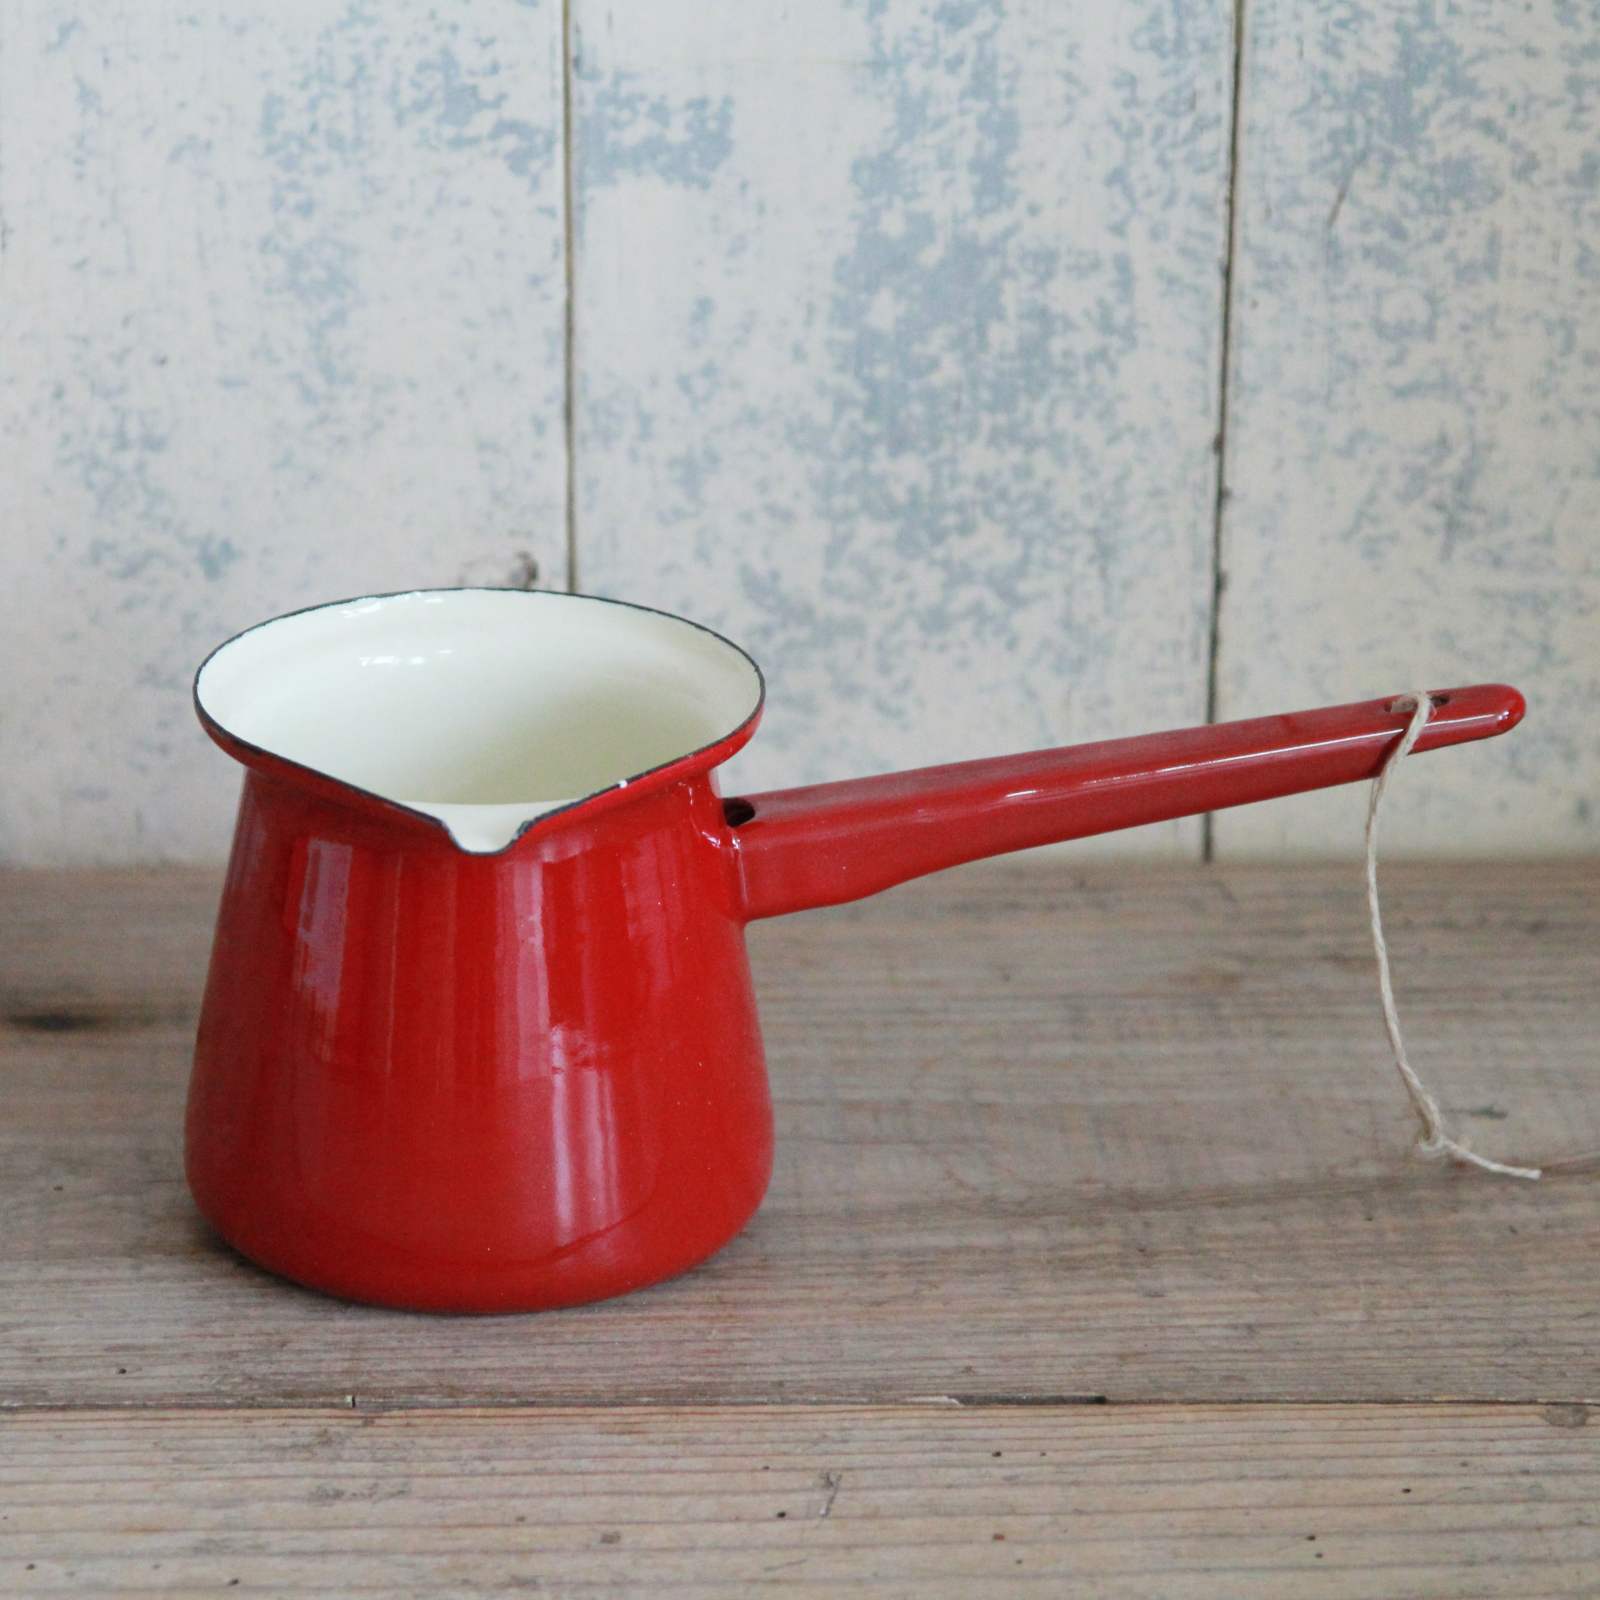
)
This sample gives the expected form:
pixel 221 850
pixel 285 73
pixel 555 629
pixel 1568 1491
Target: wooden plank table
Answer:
pixel 1094 1259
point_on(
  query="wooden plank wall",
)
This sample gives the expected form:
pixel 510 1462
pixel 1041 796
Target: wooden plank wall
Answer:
pixel 896 332
pixel 282 320
pixel 1413 451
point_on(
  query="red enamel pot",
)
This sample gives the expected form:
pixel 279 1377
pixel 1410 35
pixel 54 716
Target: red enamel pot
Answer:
pixel 478 1033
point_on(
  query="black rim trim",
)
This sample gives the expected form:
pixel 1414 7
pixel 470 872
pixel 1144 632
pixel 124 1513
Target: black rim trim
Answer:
pixel 210 721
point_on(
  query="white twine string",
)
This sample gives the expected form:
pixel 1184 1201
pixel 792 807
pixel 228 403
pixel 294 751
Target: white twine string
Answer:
pixel 1435 1141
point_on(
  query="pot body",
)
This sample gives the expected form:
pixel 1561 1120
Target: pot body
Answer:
pixel 432 1079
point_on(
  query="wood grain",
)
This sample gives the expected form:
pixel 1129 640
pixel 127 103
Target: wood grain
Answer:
pixel 1238 1502
pixel 1043 1132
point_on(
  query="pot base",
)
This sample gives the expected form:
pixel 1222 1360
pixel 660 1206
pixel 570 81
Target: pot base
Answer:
pixel 580 1275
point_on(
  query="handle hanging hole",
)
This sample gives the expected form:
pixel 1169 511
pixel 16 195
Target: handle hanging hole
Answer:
pixel 1404 704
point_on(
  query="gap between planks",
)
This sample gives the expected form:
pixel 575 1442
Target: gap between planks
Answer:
pixel 1560 1412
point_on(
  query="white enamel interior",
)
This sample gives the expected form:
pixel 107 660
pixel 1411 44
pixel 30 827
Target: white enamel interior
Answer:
pixel 485 708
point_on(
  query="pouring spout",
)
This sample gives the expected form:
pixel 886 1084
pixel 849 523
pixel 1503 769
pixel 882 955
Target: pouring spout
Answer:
pixel 832 842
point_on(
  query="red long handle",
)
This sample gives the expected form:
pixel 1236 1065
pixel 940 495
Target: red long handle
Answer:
pixel 830 842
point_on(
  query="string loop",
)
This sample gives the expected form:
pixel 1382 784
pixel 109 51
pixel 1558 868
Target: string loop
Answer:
pixel 1435 1140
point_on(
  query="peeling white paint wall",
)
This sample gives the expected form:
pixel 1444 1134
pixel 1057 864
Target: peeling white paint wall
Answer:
pixel 896 350
pixel 282 317
pixel 1413 458
pixel 915 385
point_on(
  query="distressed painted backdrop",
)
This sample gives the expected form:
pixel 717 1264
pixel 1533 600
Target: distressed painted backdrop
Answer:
pixel 1002 372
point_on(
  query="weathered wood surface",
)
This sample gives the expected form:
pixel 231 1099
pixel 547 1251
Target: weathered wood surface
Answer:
pixel 1043 1132
pixel 1236 1502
